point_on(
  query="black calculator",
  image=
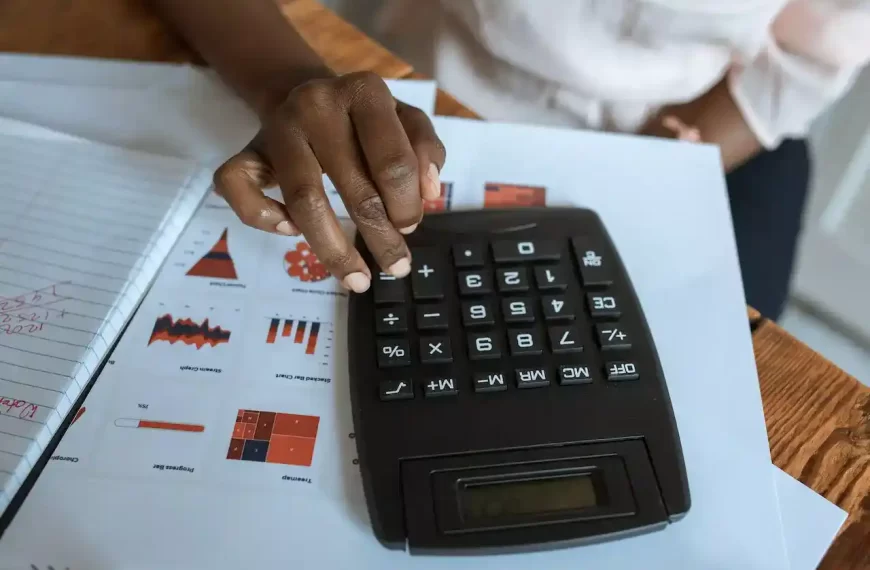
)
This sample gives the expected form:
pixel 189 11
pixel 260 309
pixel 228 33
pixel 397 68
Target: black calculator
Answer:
pixel 507 395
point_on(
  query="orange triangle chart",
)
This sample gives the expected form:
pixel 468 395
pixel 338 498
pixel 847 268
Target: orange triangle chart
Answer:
pixel 217 263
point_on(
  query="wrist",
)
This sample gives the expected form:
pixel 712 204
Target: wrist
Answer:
pixel 268 92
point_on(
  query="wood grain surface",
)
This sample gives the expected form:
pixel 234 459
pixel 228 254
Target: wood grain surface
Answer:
pixel 818 417
pixel 818 426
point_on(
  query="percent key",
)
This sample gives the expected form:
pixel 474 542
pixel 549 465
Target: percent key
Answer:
pixel 393 352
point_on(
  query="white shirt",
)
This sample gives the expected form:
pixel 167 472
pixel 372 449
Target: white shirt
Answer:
pixel 610 64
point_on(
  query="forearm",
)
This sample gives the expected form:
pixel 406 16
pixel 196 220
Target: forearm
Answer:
pixel 719 121
pixel 249 43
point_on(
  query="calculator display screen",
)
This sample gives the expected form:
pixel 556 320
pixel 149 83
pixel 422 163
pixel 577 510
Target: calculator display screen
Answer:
pixel 499 499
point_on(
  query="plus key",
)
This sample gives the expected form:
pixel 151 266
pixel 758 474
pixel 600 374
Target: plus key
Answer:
pixel 427 274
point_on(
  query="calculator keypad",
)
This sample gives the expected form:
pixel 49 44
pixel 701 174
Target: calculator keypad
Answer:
pixel 527 315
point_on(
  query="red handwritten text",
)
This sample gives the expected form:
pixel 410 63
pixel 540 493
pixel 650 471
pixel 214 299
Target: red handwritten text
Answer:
pixel 15 407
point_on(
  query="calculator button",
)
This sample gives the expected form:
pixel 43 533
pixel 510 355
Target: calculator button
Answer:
pixel 393 352
pixel 618 371
pixel 550 277
pixel 391 321
pixel 504 251
pixel 574 374
pixel 602 305
pixel 524 341
pixel 474 283
pixel 483 345
pixel 435 349
pixel 517 310
pixel 432 316
pixel 388 289
pixel 512 280
pixel 532 378
pixel 557 307
pixel 611 336
pixel 564 339
pixel 489 382
pixel 440 387
pixel 396 390
pixel 477 313
pixel 595 268
pixel 426 274
pixel 469 254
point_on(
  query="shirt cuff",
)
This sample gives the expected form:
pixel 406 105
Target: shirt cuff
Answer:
pixel 780 94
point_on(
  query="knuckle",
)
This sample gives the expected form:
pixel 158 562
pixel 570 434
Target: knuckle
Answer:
pixel 307 198
pixel 370 211
pixel 339 258
pixel 251 215
pixel 398 172
pixel 364 87
pixel 309 96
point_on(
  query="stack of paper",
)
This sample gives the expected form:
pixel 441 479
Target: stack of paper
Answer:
pixel 268 337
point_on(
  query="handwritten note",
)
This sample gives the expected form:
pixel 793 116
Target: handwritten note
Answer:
pixel 83 228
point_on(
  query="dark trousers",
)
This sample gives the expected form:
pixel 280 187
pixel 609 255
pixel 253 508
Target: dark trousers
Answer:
pixel 768 195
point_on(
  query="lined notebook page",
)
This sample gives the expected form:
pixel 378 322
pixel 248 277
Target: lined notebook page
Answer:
pixel 83 230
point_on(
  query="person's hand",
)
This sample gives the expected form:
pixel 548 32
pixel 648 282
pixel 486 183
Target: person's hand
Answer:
pixel 681 130
pixel 382 155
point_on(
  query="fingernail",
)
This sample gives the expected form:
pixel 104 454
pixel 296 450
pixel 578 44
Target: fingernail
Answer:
pixel 286 228
pixel 433 186
pixel 356 282
pixel 400 268
pixel 408 230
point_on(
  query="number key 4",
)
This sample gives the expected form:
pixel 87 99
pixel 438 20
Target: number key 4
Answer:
pixel 557 307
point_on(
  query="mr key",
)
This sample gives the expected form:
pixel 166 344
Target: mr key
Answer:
pixel 516 340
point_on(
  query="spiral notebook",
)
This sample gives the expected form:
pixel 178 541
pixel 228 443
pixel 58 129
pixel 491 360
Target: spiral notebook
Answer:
pixel 84 228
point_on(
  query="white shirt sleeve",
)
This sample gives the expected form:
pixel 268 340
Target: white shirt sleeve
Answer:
pixel 814 51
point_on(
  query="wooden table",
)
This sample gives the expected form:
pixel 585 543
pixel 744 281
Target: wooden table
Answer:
pixel 818 417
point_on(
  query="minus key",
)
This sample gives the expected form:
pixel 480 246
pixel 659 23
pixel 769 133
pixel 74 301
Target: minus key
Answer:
pixel 432 316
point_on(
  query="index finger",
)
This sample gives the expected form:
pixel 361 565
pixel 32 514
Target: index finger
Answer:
pixel 301 180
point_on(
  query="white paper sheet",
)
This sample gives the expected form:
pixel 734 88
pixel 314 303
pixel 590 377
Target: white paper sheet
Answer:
pixel 94 72
pixel 205 123
pixel 809 520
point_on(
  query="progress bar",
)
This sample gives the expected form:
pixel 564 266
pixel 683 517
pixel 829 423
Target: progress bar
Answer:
pixel 152 424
